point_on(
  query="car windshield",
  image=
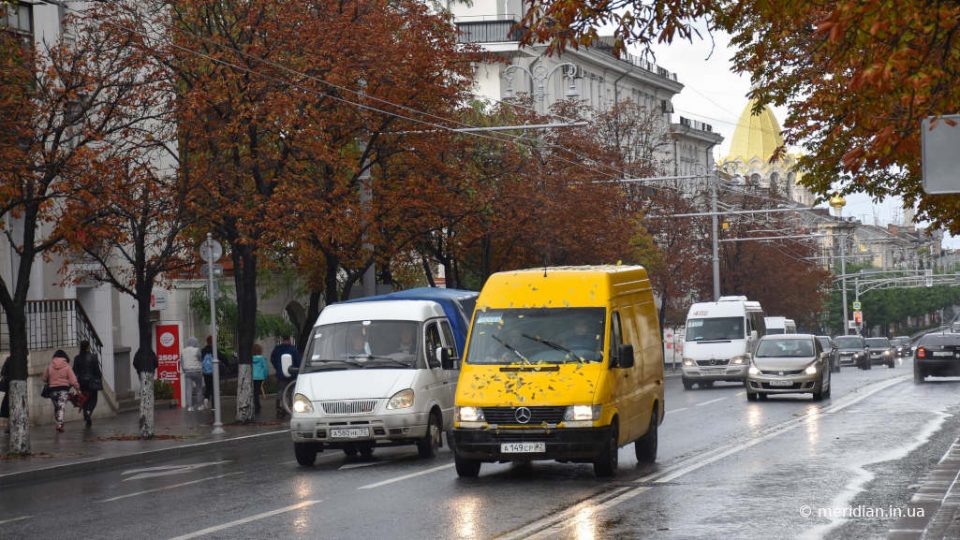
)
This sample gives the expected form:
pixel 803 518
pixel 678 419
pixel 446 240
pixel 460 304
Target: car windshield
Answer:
pixel 785 348
pixel 546 335
pixel 848 342
pixel 881 343
pixel 715 329
pixel 364 345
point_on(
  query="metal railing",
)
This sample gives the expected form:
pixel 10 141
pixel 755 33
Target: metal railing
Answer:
pixel 488 31
pixel 54 324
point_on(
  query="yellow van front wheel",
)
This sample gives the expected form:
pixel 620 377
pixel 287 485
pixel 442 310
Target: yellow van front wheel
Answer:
pixel 608 461
pixel 466 468
pixel 646 446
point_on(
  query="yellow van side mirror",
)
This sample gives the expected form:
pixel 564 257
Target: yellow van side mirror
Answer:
pixel 625 359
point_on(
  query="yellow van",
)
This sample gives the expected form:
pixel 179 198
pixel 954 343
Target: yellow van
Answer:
pixel 561 363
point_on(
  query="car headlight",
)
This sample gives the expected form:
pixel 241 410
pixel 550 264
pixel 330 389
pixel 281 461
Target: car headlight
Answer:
pixel 688 362
pixel 301 404
pixel 468 414
pixel 887 353
pixel 401 400
pixel 740 360
pixel 582 412
pixel 754 370
pixel 811 369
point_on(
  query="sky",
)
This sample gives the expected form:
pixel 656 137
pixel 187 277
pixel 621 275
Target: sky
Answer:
pixel 714 94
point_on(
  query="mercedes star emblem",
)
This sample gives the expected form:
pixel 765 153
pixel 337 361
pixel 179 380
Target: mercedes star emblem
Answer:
pixel 523 415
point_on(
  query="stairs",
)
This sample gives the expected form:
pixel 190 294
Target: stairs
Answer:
pixel 127 402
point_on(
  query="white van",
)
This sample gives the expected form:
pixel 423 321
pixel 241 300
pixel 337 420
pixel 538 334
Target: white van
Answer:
pixel 720 338
pixel 780 325
pixel 376 373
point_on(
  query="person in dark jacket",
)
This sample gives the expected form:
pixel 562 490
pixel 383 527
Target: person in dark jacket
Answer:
pixel 87 367
pixel 207 370
pixel 284 347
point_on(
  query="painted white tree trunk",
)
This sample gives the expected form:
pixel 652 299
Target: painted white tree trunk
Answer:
pixel 245 393
pixel 146 405
pixel 19 419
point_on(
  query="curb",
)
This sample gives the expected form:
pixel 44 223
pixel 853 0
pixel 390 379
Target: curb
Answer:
pixel 938 499
pixel 98 464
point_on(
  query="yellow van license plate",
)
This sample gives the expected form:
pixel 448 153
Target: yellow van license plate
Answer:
pixel 523 447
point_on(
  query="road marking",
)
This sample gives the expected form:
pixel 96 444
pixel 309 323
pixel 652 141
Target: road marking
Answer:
pixel 550 526
pixel 407 476
pixel 711 401
pixel 740 393
pixel 167 470
pixel 166 488
pixel 11 520
pixel 676 410
pixel 264 515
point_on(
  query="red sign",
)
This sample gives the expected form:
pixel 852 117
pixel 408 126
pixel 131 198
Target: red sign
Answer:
pixel 168 357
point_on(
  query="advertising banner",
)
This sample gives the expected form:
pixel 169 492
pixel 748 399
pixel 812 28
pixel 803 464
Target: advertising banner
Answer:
pixel 168 356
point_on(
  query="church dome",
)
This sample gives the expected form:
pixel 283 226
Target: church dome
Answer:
pixel 756 136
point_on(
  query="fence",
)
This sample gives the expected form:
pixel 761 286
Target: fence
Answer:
pixel 54 324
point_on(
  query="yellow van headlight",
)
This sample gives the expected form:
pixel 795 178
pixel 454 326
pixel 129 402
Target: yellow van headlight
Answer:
pixel 301 404
pixel 576 413
pixel 468 414
pixel 401 400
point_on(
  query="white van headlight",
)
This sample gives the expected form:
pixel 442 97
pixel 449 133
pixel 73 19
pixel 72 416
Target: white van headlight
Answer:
pixel 301 404
pixel 582 412
pixel 401 400
pixel 688 362
pixel 740 360
pixel 469 414
pixel 811 369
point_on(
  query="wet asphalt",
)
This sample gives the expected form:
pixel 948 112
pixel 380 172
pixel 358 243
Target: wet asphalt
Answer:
pixel 782 468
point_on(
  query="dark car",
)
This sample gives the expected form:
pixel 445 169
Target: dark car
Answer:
pixel 827 344
pixel 851 350
pixel 901 346
pixel 881 352
pixel 937 355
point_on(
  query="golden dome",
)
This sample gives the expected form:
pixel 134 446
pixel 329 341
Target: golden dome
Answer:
pixel 756 136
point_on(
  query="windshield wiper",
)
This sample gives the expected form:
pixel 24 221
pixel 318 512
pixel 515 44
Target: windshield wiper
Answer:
pixel 553 345
pixel 327 361
pixel 390 359
pixel 511 349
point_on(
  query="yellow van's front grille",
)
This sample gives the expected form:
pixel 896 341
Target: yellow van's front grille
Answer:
pixel 517 415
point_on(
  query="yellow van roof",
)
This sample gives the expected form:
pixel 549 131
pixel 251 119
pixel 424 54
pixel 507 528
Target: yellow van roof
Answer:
pixel 561 286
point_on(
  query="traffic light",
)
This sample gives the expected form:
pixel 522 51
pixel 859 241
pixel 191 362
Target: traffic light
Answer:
pixel 858 317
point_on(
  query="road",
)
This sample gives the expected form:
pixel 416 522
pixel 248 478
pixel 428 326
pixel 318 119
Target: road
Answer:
pixel 786 467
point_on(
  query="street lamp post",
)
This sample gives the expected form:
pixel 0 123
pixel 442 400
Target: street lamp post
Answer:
pixel 538 80
pixel 838 202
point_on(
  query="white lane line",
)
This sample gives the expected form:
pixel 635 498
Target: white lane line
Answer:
pixel 167 488
pixel 711 401
pixel 11 520
pixel 740 393
pixel 551 526
pixel 671 411
pixel 264 515
pixel 407 476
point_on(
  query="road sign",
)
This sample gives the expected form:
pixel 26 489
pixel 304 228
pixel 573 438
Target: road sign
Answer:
pixel 214 247
pixel 941 145
pixel 858 317
pixel 856 306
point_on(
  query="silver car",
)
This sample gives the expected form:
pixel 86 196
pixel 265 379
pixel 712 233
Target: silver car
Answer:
pixel 789 364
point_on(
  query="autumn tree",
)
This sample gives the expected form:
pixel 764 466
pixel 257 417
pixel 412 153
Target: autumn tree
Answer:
pixel 130 220
pixel 59 108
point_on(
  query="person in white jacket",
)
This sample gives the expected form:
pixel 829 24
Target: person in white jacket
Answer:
pixel 193 374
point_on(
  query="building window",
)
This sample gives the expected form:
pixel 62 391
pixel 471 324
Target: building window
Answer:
pixel 19 18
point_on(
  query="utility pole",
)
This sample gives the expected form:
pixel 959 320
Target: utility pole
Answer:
pixel 838 202
pixel 714 179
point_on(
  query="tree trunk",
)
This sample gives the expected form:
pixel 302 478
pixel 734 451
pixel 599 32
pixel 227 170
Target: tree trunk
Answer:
pixel 331 286
pixel 245 277
pixel 19 442
pixel 145 362
pixel 313 311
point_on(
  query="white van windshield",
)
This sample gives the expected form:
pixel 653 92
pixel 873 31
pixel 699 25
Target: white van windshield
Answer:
pixel 364 345
pixel 549 335
pixel 715 329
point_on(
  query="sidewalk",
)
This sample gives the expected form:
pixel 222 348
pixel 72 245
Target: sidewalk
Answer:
pixel 938 495
pixel 114 441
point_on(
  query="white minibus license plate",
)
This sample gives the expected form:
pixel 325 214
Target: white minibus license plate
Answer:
pixel 349 433
pixel 781 383
pixel 523 447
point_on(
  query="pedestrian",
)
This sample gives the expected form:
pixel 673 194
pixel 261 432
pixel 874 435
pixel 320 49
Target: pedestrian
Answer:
pixel 206 367
pixel 90 376
pixel 192 374
pixel 60 378
pixel 284 347
pixel 259 375
pixel 5 388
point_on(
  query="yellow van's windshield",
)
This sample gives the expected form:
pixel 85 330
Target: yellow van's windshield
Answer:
pixel 546 335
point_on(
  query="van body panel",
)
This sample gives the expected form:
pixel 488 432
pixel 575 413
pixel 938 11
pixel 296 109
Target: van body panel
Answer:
pixel 628 395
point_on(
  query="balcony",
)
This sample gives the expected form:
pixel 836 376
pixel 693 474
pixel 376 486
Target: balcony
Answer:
pixel 696 124
pixel 488 29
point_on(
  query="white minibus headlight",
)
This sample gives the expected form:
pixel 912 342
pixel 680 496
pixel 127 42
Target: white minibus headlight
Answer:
pixel 468 414
pixel 401 400
pixel 582 412
pixel 740 360
pixel 301 404
pixel 688 362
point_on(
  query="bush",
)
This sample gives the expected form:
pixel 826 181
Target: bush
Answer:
pixel 162 390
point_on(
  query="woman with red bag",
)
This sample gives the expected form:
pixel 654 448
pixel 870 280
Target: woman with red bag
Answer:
pixel 60 378
pixel 87 367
